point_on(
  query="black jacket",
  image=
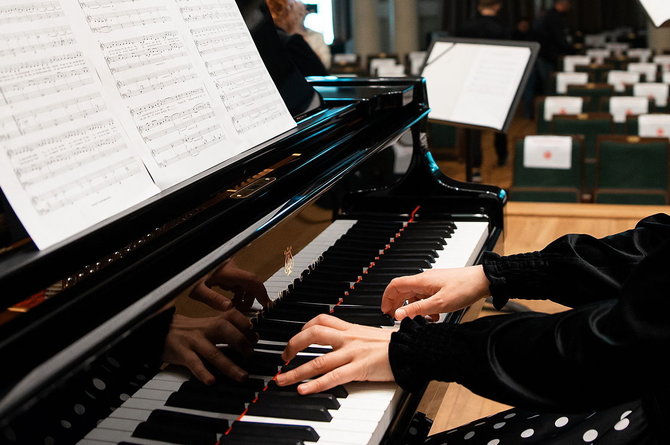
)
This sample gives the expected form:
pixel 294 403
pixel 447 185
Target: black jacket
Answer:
pixel 486 27
pixel 551 31
pixel 609 349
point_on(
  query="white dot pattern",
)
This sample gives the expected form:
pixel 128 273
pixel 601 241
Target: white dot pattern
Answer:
pixel 493 442
pixel 499 425
pixel 622 424
pixel 469 435
pixel 527 433
pixel 561 422
pixel 590 436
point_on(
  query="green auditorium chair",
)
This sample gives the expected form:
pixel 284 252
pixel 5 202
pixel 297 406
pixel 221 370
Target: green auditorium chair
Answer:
pixel 632 170
pixel 548 184
pixel 543 126
pixel 594 91
pixel 597 72
pixel 590 126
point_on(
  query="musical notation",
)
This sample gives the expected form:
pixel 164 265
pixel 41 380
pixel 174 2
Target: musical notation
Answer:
pixel 29 12
pixel 92 98
pixel 65 162
pixel 233 62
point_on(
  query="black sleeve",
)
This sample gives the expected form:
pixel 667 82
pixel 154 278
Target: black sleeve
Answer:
pixel 585 358
pixel 575 269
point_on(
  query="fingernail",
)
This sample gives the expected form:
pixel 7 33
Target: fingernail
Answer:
pixel 280 380
pixel 241 376
pixel 400 314
pixel 302 389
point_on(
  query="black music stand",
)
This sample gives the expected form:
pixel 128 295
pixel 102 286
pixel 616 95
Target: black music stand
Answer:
pixel 477 83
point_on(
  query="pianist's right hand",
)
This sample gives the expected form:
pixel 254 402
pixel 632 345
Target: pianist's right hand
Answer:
pixel 192 340
pixel 435 291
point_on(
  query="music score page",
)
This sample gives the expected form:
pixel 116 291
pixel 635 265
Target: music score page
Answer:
pixel 103 103
pixel 474 84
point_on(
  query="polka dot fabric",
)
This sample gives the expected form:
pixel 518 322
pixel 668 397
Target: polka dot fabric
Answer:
pixel 619 425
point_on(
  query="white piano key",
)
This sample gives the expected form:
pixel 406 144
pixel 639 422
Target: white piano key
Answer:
pixel 114 423
pixel 464 245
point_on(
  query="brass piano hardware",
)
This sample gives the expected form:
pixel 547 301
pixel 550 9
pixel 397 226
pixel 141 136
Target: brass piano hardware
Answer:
pixel 252 188
pixel 288 260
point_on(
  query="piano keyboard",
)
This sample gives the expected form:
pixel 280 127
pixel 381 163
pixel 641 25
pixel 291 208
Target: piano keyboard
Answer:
pixel 343 272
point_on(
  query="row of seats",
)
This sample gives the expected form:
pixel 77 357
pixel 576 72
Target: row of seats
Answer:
pixel 625 169
pixel 379 64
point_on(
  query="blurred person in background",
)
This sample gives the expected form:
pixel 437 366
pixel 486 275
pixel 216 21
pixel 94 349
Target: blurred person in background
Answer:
pixel 288 16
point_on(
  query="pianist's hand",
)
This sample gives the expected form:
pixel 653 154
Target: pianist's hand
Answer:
pixel 359 353
pixel 435 291
pixel 190 341
pixel 245 286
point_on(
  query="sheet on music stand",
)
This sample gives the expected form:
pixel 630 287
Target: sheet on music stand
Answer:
pixel 472 83
pixel 654 125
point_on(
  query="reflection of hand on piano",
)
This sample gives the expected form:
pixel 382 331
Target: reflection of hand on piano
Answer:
pixel 245 286
pixel 359 353
pixel 192 340
pixel 435 291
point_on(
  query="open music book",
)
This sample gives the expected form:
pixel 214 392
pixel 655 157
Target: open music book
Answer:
pixel 103 103
pixel 657 10
pixel 477 83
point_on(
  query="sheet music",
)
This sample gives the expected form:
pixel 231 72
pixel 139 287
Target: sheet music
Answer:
pixel 162 96
pixel 256 109
pixel 93 93
pixel 65 159
pixel 474 84
pixel 658 11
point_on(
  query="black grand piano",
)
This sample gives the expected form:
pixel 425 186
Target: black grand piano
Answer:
pixel 323 216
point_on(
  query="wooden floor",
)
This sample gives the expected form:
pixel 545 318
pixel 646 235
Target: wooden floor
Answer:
pixel 528 227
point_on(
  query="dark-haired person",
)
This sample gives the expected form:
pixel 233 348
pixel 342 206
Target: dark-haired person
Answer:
pixel 552 31
pixel 596 373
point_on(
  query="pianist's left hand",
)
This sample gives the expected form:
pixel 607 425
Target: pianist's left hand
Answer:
pixel 359 353
pixel 190 341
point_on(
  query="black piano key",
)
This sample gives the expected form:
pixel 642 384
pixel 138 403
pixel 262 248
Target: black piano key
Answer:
pixel 427 255
pixel 388 270
pixel 205 402
pixel 188 421
pixel 293 314
pixel 356 309
pixel 338 391
pixel 174 434
pixel 403 262
pixel 257 440
pixel 221 390
pixel 258 429
pixel 417 247
pixel 368 287
pixel 367 320
pixel 277 330
pixel 364 300
pixel 288 411
pixel 327 401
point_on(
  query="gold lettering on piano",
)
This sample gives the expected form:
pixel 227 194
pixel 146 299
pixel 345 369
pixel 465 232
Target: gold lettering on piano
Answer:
pixel 288 260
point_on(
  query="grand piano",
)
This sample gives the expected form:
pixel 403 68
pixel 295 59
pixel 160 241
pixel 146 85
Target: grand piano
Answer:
pixel 323 216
